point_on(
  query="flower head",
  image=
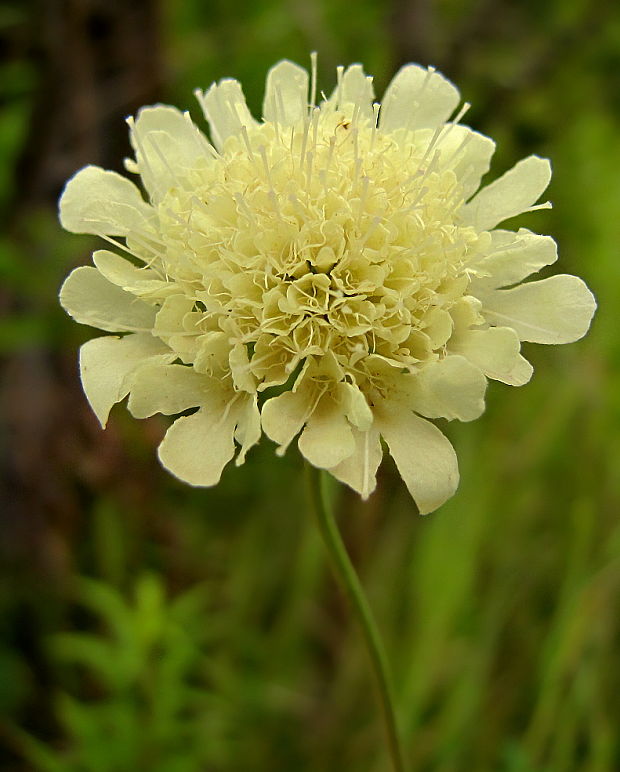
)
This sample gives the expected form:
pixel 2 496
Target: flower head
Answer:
pixel 330 272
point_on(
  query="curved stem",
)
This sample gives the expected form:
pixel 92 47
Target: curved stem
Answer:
pixel 346 574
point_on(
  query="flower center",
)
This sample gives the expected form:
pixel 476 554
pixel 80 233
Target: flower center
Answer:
pixel 327 236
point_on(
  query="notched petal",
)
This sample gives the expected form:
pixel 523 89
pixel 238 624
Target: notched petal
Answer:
pixel 101 202
pixel 108 364
pixel 196 448
pixel 554 310
pixel 283 416
pixel 327 439
pixel 168 146
pixel 359 470
pixel 496 352
pixel 355 91
pixel 424 457
pixel 286 93
pixel 417 98
pixel 225 109
pixel 167 389
pixel 449 388
pixel 512 257
pixel 514 192
pixel 91 299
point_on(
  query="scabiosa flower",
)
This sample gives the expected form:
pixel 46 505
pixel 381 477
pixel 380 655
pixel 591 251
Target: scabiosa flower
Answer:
pixel 331 272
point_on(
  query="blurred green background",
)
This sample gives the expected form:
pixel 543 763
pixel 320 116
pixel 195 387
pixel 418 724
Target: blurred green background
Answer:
pixel 148 626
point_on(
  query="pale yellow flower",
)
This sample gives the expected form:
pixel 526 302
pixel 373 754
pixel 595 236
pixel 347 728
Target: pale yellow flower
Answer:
pixel 337 255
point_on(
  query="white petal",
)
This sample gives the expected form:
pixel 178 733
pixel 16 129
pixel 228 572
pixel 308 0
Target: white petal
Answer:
pixel 355 89
pixel 355 405
pixel 520 374
pixel 448 388
pixel 424 457
pixel 170 316
pixel 417 98
pixel 167 145
pixel 465 313
pixel 496 352
pixel 512 258
pixel 467 153
pixel 554 310
pixel 226 110
pixel 90 299
pixel 107 364
pixel 196 448
pixel 286 93
pixel 139 281
pixel 359 470
pixel 248 430
pixel 240 368
pixel 283 416
pixel 101 202
pixel 327 439
pixel 175 324
pixel 514 192
pixel 167 389
pixel 438 326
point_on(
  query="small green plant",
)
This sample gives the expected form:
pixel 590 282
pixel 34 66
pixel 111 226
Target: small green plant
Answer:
pixel 137 693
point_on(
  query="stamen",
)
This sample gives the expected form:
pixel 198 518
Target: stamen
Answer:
pixel 243 204
pixel 448 127
pixel 125 248
pixel 247 143
pixel 180 182
pixel 310 159
pixel 363 196
pixel 339 75
pixel 375 123
pixel 201 145
pixel 304 142
pixel 313 69
pixel 143 159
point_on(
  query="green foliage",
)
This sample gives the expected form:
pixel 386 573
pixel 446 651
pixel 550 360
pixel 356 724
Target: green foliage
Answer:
pixel 141 689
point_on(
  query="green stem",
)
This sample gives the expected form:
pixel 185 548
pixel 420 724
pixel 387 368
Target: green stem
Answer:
pixel 346 574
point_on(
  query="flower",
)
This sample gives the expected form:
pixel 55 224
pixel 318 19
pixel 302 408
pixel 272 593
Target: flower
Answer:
pixel 331 272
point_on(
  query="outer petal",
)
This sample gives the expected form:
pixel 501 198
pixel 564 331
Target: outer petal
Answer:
pixel 359 470
pixel 513 257
pixel 167 144
pixel 355 89
pixel 283 416
pixel 554 310
pixel 226 110
pixel 438 325
pixel 449 388
pixel 424 457
pixel 107 365
pixel 286 93
pixel 327 439
pixel 177 324
pixel 139 281
pixel 91 299
pixel 101 202
pixel 240 368
pixel 196 448
pixel 248 427
pixel 496 352
pixel 167 389
pixel 468 153
pixel 355 405
pixel 514 192
pixel 417 98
